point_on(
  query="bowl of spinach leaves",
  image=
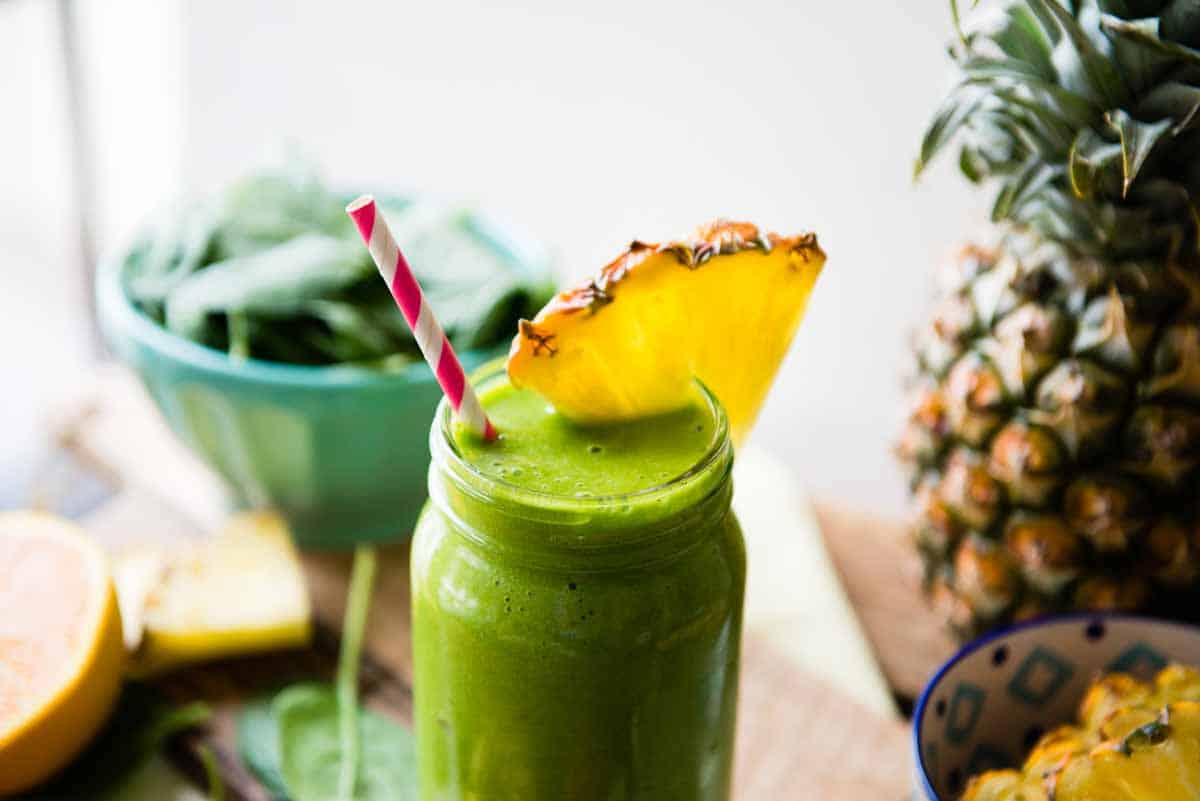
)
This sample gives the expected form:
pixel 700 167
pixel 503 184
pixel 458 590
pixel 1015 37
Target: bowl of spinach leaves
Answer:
pixel 260 327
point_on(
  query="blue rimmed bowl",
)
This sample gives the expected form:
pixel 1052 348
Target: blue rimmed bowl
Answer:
pixel 989 704
pixel 341 451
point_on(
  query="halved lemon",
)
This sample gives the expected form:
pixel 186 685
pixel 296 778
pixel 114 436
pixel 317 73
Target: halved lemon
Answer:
pixel 722 307
pixel 61 652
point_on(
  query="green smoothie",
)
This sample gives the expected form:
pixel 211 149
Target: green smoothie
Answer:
pixel 542 451
pixel 577 601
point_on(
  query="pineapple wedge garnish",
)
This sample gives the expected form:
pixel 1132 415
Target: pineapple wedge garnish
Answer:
pixel 721 307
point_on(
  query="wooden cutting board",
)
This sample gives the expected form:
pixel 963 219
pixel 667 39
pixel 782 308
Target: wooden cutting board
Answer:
pixel 796 728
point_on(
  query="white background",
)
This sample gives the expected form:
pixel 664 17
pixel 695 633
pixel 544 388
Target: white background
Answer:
pixel 590 123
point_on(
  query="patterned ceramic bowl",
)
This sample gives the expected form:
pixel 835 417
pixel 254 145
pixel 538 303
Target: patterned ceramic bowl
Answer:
pixel 988 705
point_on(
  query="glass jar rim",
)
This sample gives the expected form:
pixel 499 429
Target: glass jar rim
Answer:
pixel 444 443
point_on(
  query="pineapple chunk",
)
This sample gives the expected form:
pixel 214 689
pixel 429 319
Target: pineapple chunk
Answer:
pixel 722 307
pixel 1003 785
pixel 1159 761
pixel 241 591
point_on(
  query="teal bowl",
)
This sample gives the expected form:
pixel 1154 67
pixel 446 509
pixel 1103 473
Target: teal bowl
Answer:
pixel 341 452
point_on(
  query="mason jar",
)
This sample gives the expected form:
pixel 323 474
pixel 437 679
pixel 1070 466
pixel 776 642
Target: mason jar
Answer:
pixel 574 648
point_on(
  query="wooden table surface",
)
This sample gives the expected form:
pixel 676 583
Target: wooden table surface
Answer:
pixel 798 736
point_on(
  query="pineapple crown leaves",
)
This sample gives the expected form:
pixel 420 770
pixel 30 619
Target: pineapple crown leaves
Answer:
pixel 1085 114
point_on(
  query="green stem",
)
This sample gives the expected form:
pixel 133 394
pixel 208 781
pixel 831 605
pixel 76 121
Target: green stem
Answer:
pixel 212 775
pixel 176 720
pixel 358 603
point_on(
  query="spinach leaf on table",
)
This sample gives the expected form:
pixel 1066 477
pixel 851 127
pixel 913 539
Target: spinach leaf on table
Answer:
pixel 315 742
pixel 313 750
pixel 258 746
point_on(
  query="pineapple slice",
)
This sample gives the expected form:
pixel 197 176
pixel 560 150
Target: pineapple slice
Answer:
pixel 721 307
pixel 239 592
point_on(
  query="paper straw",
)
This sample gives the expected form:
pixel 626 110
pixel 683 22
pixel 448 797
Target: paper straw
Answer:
pixel 429 335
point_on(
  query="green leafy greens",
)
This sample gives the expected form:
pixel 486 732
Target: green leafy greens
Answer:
pixel 315 754
pixel 258 745
pixel 273 269
pixel 315 742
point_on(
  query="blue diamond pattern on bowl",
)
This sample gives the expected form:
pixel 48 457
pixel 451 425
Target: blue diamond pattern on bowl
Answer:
pixel 1140 660
pixel 965 708
pixel 1042 674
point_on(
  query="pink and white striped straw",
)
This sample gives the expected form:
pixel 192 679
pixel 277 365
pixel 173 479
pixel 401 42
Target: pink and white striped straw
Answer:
pixel 429 335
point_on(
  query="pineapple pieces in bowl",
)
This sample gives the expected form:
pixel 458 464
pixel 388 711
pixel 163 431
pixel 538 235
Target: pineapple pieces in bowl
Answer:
pixel 1133 740
pixel 1079 707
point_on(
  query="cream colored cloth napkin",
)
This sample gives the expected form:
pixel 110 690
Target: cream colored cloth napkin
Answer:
pixel 793 593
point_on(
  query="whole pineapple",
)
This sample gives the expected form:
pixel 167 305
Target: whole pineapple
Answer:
pixel 1054 435
pixel 1133 741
